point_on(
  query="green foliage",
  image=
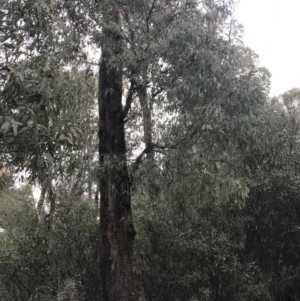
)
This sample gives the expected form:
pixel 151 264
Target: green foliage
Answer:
pixel 193 235
pixel 40 103
pixel 39 264
pixel 272 209
pixel 216 206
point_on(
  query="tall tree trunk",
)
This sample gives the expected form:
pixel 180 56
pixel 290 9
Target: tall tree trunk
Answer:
pixel 146 106
pixel 40 205
pixel 147 118
pixel 120 276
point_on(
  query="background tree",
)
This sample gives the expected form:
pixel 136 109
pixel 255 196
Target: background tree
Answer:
pixel 272 207
pixel 38 264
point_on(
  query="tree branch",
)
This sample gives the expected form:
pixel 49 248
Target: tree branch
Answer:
pixel 139 158
pixel 157 92
pixel 162 147
pixel 149 15
pixel 128 100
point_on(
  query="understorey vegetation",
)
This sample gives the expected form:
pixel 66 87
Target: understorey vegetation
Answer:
pixel 141 156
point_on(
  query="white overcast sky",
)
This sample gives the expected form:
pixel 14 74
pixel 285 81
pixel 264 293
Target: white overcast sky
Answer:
pixel 272 30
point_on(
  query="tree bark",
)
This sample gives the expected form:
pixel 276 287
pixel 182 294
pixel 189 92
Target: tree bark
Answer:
pixel 147 119
pixel 146 106
pixel 41 201
pixel 119 272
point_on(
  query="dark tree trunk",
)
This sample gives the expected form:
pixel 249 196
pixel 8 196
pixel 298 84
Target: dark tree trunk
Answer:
pixel 120 276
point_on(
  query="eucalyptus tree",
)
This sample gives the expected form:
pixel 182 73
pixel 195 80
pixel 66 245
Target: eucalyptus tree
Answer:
pixel 272 208
pixel 175 57
pixel 44 113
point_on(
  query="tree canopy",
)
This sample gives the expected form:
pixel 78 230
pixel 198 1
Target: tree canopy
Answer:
pixel 165 171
